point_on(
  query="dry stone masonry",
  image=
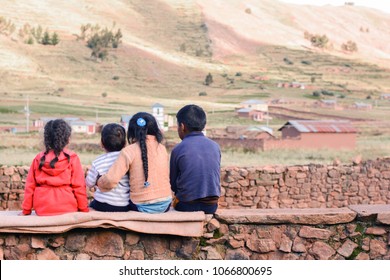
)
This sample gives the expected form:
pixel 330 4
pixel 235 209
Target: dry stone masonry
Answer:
pixel 310 212
pixel 360 233
pixel 306 186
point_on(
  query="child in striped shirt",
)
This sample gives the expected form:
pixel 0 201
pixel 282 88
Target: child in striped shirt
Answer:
pixel 113 139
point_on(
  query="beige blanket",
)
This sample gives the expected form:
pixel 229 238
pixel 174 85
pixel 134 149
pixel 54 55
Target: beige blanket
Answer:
pixel 172 222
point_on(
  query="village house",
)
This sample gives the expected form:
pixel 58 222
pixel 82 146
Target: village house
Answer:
pixel 242 132
pixel 248 113
pixel 124 120
pixel 255 104
pixel 385 96
pixel 241 137
pixel 314 134
pixel 158 113
pixel 327 103
pixel 253 109
pixel 78 125
pixel 361 106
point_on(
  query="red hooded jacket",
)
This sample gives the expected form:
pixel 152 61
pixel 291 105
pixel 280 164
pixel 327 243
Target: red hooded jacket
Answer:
pixel 58 190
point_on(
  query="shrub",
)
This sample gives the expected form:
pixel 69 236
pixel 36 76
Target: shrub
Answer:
pixel 54 39
pixel 349 46
pixel 30 41
pixel 46 38
pixel 306 62
pixel 115 78
pixel 209 80
pixel 316 93
pixel 203 93
pixel 288 61
pixel 318 41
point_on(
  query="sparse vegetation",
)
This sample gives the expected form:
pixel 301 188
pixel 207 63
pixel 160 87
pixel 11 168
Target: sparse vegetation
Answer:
pixel 318 41
pixel 209 80
pixel 99 40
pixel 7 27
pixel 349 46
pixel 31 35
pixel 288 61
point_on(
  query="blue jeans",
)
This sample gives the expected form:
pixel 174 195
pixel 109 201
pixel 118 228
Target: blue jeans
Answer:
pixel 105 207
pixel 196 206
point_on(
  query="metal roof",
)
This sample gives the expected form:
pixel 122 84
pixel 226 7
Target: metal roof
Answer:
pixel 321 126
pixel 244 110
pixel 254 101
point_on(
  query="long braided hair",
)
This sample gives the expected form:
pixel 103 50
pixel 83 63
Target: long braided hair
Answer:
pixel 56 137
pixel 141 125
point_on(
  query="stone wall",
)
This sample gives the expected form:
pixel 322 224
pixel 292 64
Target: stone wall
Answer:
pixel 230 235
pixel 306 186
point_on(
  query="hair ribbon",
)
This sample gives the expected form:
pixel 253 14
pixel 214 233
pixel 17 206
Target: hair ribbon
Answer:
pixel 141 122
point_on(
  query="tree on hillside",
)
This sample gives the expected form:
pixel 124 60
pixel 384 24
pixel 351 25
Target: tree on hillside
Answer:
pixel 100 40
pixel 117 39
pixel 209 80
pixel 54 39
pixel 46 38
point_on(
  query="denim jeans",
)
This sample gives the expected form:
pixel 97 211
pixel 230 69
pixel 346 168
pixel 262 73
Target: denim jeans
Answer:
pixel 196 206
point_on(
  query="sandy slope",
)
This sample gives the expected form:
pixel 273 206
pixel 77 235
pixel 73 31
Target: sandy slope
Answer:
pixel 158 27
pixel 271 22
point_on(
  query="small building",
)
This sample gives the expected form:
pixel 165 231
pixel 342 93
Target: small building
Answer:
pixel 327 103
pixel 81 126
pixel 361 106
pixel 255 104
pixel 158 113
pixel 385 96
pixel 314 134
pixel 248 113
pixel 124 121
pixel 78 125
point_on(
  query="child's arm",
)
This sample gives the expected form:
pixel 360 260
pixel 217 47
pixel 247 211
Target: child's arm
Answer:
pixel 78 185
pixel 29 189
pixel 92 176
pixel 120 167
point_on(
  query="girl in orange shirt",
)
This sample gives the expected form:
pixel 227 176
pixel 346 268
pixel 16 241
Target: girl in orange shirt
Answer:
pixel 55 182
pixel 147 161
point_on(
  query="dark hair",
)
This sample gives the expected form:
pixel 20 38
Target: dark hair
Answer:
pixel 56 137
pixel 193 117
pixel 113 137
pixel 140 125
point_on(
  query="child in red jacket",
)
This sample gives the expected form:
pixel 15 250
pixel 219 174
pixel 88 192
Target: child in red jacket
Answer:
pixel 55 182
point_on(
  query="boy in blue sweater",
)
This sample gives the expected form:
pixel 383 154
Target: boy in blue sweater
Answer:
pixel 195 164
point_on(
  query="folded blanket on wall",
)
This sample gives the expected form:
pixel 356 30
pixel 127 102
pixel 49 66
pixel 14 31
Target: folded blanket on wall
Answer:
pixel 172 222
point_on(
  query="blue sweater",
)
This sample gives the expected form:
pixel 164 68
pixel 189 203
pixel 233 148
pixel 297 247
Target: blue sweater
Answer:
pixel 195 168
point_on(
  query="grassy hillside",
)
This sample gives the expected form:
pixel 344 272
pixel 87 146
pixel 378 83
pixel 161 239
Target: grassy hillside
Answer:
pixel 168 48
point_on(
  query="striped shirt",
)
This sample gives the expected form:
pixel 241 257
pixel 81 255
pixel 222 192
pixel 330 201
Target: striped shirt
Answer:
pixel 118 196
